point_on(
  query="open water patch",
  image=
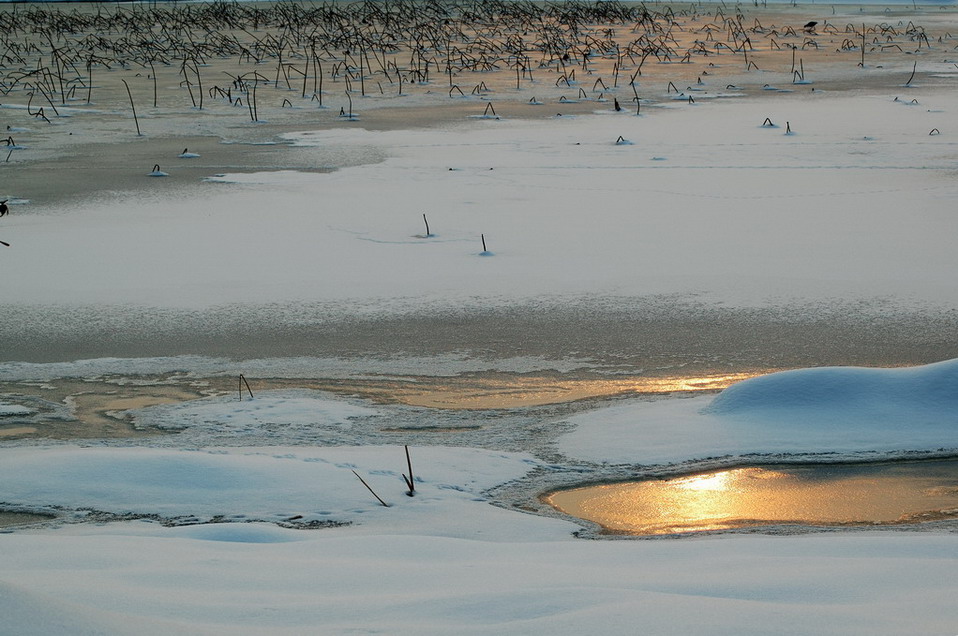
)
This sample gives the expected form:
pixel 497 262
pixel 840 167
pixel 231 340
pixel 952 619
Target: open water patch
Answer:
pixel 877 494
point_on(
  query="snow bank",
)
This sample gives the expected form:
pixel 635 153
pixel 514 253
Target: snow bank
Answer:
pixel 148 580
pixel 269 484
pixel 851 412
pixel 916 395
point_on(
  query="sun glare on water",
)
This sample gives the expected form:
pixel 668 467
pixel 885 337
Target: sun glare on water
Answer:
pixel 757 496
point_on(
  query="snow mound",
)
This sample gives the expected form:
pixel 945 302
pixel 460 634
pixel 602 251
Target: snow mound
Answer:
pixel 848 413
pixel 915 390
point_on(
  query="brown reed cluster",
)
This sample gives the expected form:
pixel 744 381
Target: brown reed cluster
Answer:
pixel 55 54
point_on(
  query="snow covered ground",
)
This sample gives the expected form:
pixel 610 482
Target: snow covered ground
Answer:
pixel 135 549
pixel 845 207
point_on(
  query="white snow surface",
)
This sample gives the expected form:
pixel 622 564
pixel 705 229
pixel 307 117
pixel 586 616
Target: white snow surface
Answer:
pixel 290 409
pixel 699 197
pixel 446 560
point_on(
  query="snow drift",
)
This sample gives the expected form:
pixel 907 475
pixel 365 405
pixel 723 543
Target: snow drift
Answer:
pixel 847 413
pixel 930 390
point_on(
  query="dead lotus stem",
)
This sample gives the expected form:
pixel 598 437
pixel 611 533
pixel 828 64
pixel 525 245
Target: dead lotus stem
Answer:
pixel 378 498
pixel 133 107
pixel 242 382
pixel 913 70
pixel 862 63
pixel 410 481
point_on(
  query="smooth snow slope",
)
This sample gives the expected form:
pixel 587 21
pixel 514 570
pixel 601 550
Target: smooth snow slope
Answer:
pixel 848 412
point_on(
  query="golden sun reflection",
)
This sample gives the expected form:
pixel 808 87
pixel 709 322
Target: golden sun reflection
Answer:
pixel 509 391
pixel 743 497
pixel 714 481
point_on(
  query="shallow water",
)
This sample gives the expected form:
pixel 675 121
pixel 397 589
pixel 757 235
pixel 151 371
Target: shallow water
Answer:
pixel 12 519
pixel 823 495
pixel 70 408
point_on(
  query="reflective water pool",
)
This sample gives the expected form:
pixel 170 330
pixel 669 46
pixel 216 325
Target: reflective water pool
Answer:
pixel 834 494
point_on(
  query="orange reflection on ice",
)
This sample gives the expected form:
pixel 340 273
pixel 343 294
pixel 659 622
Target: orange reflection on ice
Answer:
pixel 840 494
pixel 489 392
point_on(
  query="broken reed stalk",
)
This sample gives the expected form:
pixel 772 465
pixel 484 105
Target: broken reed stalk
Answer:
pixel 862 64
pixel 914 68
pixel 305 73
pixel 427 225
pixel 89 88
pixel 135 120
pixel 318 74
pixel 242 381
pixel 370 489
pixel 153 75
pixel 483 236
pixel 4 243
pixel 410 482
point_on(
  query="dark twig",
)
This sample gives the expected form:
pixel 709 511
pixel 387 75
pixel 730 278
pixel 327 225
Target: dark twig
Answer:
pixel 133 106
pixel 410 482
pixel 241 383
pixel 370 489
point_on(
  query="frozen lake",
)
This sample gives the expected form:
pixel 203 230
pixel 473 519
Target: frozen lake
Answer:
pixel 662 241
